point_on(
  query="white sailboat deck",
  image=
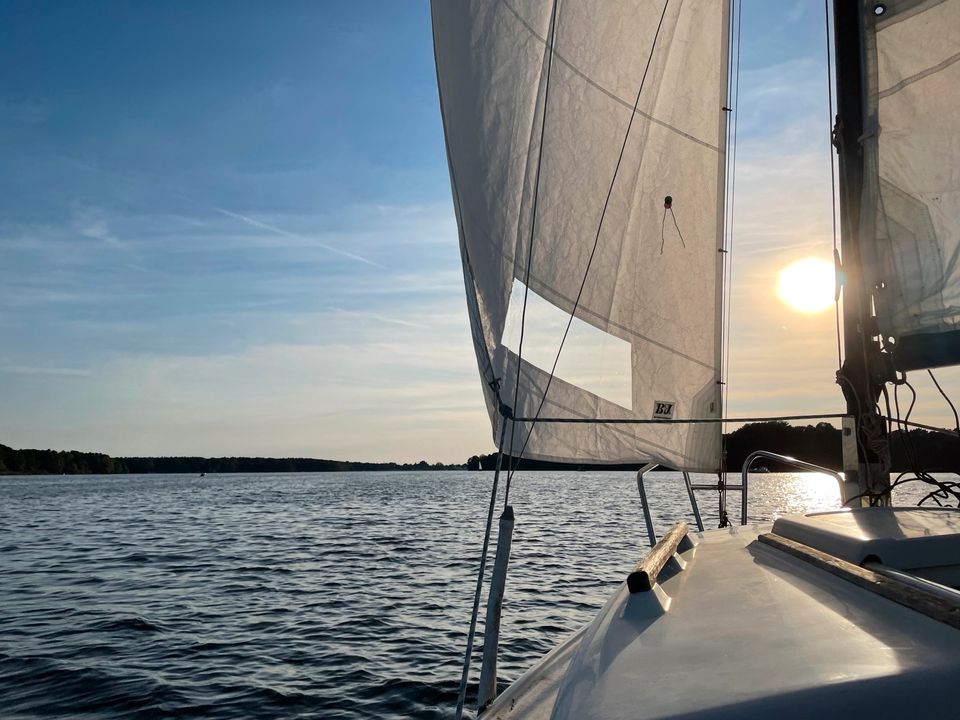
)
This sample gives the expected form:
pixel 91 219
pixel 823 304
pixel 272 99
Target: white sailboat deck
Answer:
pixel 748 630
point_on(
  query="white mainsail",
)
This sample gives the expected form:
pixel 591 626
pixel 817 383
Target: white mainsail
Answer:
pixel 911 201
pixel 645 342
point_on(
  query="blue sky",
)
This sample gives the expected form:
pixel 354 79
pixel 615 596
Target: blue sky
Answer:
pixel 226 228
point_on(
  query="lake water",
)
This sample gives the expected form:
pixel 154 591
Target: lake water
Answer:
pixel 340 595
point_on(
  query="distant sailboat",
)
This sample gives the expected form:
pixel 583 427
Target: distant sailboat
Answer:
pixel 587 144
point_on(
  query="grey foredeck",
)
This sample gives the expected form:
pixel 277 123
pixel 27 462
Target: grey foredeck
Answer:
pixel 748 631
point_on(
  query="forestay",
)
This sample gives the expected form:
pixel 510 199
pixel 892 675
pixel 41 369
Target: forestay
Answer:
pixel 911 203
pixel 645 341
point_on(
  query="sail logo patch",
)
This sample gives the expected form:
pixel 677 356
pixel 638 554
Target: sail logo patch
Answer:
pixel 663 410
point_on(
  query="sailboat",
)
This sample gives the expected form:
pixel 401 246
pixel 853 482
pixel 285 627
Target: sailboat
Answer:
pixel 588 152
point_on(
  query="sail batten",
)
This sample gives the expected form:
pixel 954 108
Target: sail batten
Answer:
pixel 639 275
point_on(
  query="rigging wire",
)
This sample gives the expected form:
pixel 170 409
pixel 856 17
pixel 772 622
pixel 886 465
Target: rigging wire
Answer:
pixel 908 446
pixel 931 428
pixel 494 384
pixel 733 107
pixel 956 419
pixel 551 42
pixel 945 490
pixel 687 421
pixel 908 450
pixel 593 252
pixel 493 381
pixel 913 402
pixel 833 177
pixel 471 634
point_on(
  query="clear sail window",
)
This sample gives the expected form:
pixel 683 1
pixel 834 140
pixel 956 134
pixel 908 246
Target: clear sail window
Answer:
pixel 592 359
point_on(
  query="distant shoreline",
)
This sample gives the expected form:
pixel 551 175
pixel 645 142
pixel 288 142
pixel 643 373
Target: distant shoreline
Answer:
pixel 74 462
pixel 818 444
pixel 43 473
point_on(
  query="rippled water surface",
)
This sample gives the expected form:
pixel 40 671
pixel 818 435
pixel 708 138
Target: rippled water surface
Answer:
pixel 335 595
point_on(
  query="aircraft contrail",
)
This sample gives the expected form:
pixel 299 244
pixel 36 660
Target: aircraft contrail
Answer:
pixel 380 318
pixel 287 233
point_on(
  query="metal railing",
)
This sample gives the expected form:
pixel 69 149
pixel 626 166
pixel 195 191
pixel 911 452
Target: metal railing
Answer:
pixel 648 519
pixel 785 460
pixel 743 487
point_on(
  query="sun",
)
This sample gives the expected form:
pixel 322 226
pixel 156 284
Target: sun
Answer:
pixel 807 285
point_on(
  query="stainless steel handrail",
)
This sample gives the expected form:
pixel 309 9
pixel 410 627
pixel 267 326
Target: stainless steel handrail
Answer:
pixel 647 517
pixel 743 487
pixel 693 500
pixel 786 460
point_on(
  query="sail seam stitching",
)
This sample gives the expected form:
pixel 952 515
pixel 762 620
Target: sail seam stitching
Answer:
pixel 919 76
pixel 609 93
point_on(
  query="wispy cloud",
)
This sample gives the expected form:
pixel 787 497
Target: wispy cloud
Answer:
pixel 286 233
pixel 91 223
pixel 16 295
pixel 404 393
pixel 796 13
pixel 37 370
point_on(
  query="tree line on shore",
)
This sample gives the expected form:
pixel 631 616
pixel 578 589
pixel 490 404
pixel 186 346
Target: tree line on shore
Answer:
pixel 819 444
pixel 73 462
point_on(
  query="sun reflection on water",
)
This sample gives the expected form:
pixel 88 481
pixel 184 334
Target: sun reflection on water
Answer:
pixel 785 493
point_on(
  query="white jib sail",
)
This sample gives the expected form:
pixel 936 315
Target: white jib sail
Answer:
pixel 910 220
pixel 645 339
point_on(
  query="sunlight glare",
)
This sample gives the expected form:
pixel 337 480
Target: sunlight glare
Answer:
pixel 807 285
